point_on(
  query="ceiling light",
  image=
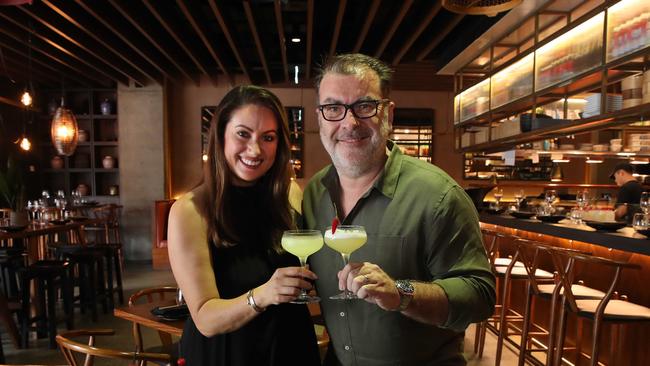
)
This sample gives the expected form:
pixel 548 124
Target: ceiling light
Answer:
pixel 639 161
pixel 295 74
pixel 26 98
pixel 64 131
pixel 295 40
pixel 24 143
pixel 594 160
pixel 556 173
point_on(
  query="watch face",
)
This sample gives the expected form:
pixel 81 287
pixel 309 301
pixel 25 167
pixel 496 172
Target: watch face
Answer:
pixel 404 286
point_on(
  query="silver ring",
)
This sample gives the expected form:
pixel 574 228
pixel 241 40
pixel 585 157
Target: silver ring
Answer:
pixel 365 279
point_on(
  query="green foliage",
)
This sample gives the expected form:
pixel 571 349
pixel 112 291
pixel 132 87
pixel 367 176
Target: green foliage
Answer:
pixel 12 187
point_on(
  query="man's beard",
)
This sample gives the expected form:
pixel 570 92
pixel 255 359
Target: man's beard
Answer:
pixel 357 161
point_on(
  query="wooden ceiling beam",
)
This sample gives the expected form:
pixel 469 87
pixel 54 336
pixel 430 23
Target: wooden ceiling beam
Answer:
pixel 229 38
pixel 310 27
pixel 36 73
pixel 366 25
pixel 151 39
pixel 337 27
pixel 53 57
pixel 173 34
pixel 440 36
pixel 85 80
pixel 62 34
pixel 283 40
pixel 393 27
pixel 206 43
pixel 61 49
pixel 119 54
pixel 258 43
pixel 415 35
pixel 126 40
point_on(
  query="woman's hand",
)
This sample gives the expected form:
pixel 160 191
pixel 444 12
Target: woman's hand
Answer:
pixel 283 286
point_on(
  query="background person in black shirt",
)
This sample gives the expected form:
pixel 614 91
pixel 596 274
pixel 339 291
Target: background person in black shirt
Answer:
pixel 629 192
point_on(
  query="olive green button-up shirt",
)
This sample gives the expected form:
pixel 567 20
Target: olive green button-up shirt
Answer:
pixel 421 226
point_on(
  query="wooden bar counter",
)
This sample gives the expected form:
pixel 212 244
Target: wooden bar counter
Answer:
pixel 624 245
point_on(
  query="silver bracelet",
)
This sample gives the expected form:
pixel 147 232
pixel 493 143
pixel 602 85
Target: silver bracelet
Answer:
pixel 250 300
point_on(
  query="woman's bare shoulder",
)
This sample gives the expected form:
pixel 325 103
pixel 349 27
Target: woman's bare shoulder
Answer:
pixel 186 207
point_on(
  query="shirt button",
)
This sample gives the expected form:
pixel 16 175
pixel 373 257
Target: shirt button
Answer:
pixel 347 348
pixel 342 314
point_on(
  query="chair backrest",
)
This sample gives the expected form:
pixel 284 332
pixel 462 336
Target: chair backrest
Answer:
pixel 161 215
pixel 162 292
pixel 109 215
pixel 70 348
pixel 567 259
pixel 4 213
pixel 149 294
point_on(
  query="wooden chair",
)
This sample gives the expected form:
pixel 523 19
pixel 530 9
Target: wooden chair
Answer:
pixel 149 294
pixel 69 347
pixel 609 309
pixel 530 252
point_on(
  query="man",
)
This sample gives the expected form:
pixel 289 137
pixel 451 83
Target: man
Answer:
pixel 629 193
pixel 425 275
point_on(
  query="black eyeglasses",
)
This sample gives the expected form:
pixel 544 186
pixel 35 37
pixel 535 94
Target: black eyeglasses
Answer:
pixel 362 109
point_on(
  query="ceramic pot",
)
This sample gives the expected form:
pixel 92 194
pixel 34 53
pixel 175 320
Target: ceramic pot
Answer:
pixel 82 136
pixel 83 189
pixel 56 162
pixel 108 162
pixel 105 107
pixel 113 190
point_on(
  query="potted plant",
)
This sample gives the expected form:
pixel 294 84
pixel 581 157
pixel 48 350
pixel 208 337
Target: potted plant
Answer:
pixel 12 193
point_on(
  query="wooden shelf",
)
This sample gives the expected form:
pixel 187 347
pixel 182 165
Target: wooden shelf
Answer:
pixel 102 140
pixel 622 117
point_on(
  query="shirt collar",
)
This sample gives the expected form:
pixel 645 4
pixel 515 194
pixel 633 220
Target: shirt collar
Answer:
pixel 387 181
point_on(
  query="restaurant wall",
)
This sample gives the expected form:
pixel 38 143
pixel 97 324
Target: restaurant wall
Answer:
pixel 185 129
pixel 141 163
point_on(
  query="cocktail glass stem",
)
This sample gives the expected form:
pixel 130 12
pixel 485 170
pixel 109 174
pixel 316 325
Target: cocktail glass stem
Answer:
pixel 303 293
pixel 346 294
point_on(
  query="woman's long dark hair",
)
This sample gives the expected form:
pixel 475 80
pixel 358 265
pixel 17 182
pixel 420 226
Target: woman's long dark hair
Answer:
pixel 217 176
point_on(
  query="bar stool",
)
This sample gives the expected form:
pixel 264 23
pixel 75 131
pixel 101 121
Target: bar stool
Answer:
pixel 530 252
pixel 48 275
pixel 492 241
pixel 606 309
pixel 88 262
pixel 513 273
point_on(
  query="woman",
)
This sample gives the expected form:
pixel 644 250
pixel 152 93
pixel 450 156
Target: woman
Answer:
pixel 224 244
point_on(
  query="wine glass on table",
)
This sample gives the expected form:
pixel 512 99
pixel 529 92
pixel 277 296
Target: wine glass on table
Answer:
pixel 302 244
pixel 519 196
pixel 498 194
pixel 345 240
pixel 644 204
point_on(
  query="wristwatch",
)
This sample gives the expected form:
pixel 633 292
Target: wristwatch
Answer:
pixel 406 290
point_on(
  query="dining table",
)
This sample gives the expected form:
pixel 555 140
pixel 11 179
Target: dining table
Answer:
pixel 32 235
pixel 141 314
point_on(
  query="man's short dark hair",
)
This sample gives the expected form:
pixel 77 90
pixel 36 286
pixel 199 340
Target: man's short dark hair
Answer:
pixel 356 64
pixel 622 166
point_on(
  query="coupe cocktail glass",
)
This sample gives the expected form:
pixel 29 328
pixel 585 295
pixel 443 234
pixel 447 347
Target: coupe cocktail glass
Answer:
pixel 302 244
pixel 345 240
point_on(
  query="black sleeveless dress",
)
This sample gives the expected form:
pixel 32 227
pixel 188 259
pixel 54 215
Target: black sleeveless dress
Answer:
pixel 283 334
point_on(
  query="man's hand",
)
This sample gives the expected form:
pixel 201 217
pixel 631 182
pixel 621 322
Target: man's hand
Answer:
pixel 370 283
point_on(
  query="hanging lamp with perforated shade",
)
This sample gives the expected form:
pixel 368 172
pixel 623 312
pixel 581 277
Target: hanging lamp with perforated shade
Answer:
pixel 479 7
pixel 64 130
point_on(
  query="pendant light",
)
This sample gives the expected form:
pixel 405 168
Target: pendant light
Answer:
pixel 26 99
pixel 64 130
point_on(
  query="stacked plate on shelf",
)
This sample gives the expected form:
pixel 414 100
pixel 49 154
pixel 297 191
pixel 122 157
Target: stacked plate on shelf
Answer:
pixel 592 108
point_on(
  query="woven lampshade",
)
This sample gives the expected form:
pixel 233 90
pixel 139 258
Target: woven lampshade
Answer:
pixel 64 131
pixel 481 7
